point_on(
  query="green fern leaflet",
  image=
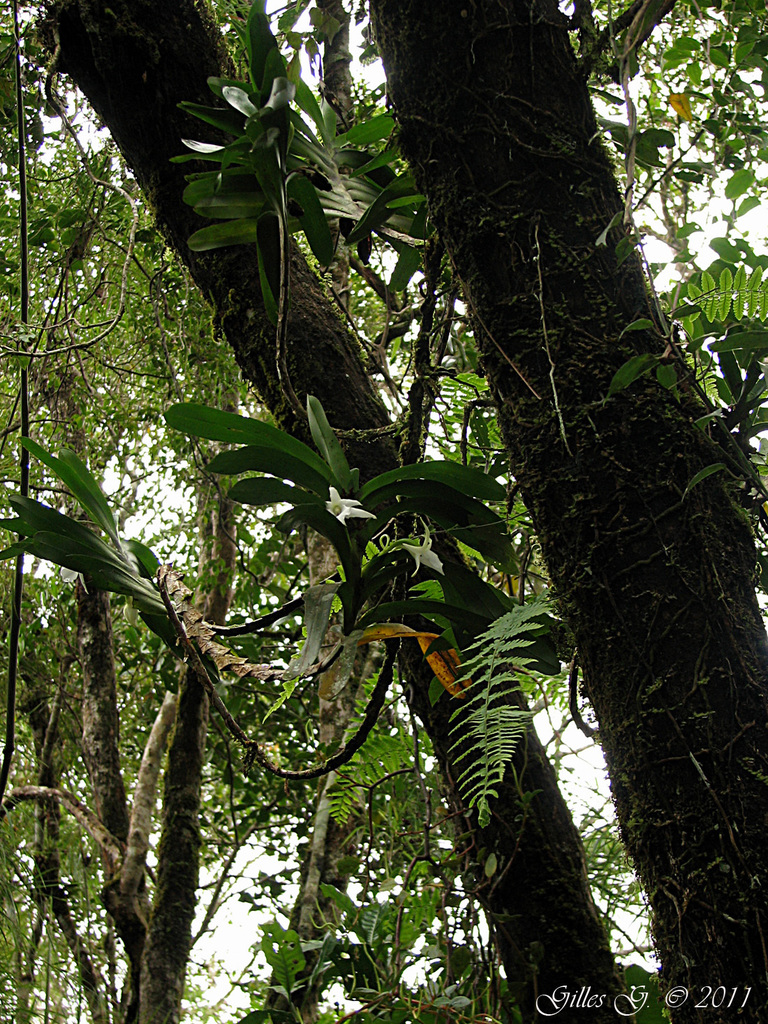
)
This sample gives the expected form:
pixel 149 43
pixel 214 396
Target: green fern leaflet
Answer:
pixel 734 294
pixel 488 726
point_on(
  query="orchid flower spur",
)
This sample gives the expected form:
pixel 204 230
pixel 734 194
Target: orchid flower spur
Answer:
pixel 346 508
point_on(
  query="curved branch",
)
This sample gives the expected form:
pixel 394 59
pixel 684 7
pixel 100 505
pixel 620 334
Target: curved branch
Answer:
pixel 343 755
pixel 112 848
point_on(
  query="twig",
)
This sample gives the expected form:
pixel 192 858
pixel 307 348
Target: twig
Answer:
pixel 558 410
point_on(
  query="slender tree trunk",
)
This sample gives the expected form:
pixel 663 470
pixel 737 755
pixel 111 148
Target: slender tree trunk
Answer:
pixel 656 581
pixel 169 936
pixel 135 75
pixel 50 895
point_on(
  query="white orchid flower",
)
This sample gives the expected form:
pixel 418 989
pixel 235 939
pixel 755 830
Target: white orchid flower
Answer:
pixel 131 612
pixel 70 576
pixel 423 554
pixel 346 508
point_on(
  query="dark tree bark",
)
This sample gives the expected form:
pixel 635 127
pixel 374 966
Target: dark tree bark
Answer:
pixel 101 724
pixel 135 71
pixel 655 582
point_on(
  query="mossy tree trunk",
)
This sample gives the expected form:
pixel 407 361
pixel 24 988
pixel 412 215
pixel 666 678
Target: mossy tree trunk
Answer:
pixel 655 581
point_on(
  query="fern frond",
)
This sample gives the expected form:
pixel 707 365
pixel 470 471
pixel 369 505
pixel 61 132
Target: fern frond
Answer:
pixel 487 728
pixel 382 755
pixel 738 295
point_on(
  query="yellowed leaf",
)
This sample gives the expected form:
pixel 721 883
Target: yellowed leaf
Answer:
pixel 390 631
pixel 681 104
pixel 445 664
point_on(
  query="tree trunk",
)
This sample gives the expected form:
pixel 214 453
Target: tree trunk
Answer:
pixel 655 581
pixel 169 936
pixel 134 74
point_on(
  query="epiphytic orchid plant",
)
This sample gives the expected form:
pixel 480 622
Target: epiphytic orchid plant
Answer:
pixel 324 493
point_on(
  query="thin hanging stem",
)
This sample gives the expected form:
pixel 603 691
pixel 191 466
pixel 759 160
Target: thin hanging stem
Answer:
pixel 18 583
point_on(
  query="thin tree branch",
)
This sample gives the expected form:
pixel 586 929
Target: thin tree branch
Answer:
pixel 144 798
pixel 110 846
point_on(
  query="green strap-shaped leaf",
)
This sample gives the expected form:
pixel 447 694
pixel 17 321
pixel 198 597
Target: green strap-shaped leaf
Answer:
pixel 463 479
pixel 268 239
pixel 266 490
pixel 232 206
pixel 145 559
pixel 37 517
pixel 72 472
pixel 286 466
pixel 227 120
pixel 215 425
pixel 312 218
pixel 379 212
pixel 305 100
pixel 328 443
pixel 259 43
pixel 274 68
pixel 231 232
pixel 749 341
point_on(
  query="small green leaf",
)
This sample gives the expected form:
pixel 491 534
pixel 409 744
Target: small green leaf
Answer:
pixel 740 182
pixel 666 376
pixel 631 370
pixel 407 265
pixel 602 238
pixel 716 467
pixel 639 325
pixel 491 863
